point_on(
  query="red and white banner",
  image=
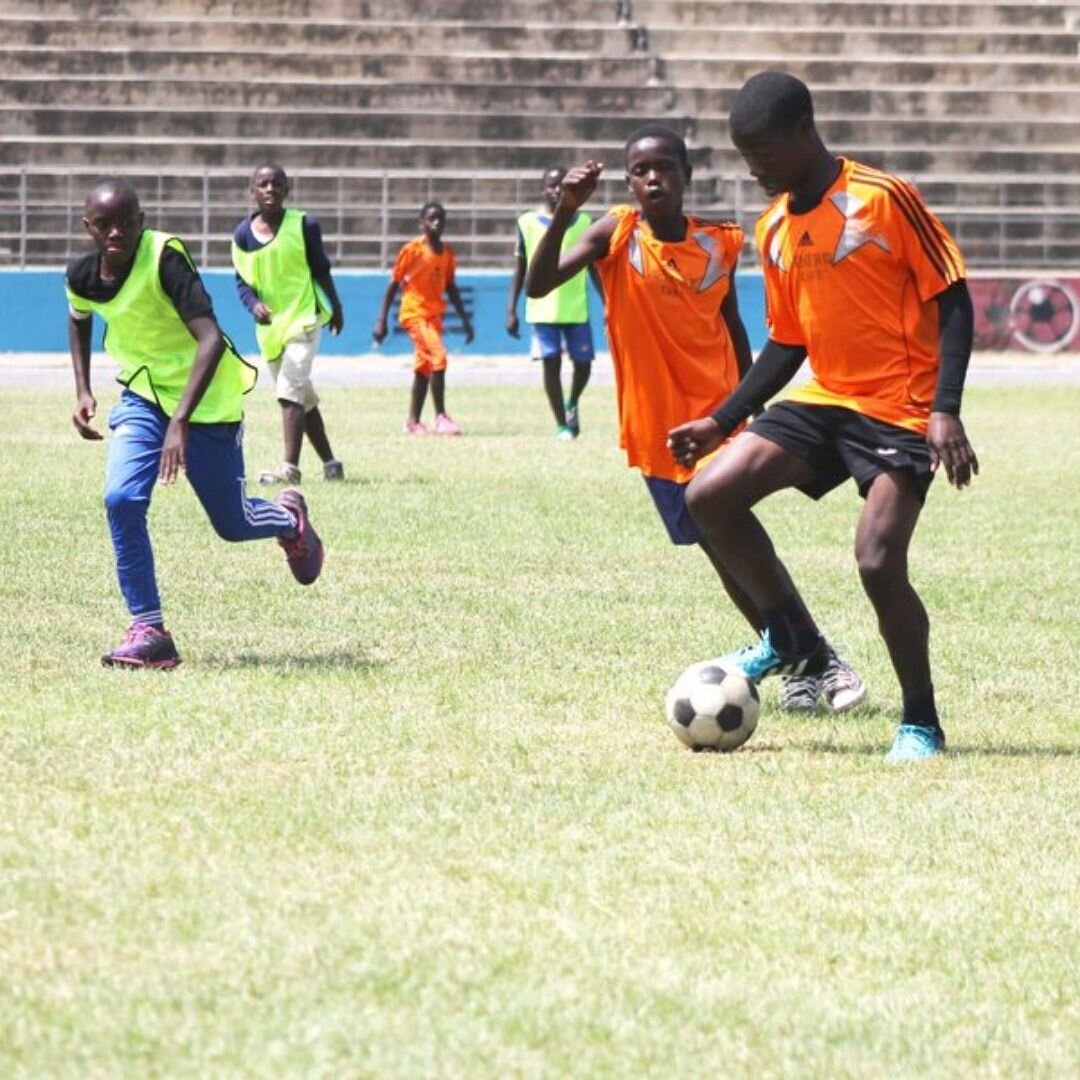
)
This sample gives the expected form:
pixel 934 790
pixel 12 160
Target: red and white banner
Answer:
pixel 1033 314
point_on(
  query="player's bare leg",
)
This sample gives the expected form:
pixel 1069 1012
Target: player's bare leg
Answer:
pixel 553 387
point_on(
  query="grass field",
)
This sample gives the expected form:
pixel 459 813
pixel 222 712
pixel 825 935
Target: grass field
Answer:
pixel 426 819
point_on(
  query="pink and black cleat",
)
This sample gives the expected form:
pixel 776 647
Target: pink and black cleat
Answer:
pixel 144 647
pixel 304 551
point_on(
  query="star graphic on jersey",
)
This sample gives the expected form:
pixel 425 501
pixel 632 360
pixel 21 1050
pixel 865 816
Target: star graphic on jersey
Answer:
pixel 856 233
pixel 715 270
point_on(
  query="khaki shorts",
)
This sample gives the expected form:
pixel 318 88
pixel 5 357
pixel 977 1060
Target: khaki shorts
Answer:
pixel 291 371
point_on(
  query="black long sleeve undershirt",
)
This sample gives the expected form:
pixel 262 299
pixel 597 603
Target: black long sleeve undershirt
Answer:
pixel 774 368
pixel 956 317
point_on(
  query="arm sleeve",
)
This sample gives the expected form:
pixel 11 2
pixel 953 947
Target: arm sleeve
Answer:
pixel 246 293
pixel 768 375
pixel 401 264
pixel 957 319
pixel 183 286
pixel 317 259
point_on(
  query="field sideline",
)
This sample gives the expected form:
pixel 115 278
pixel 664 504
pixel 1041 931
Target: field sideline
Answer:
pixel 426 819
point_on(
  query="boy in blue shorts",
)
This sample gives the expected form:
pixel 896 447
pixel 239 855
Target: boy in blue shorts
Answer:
pixel 180 410
pixel 560 317
pixel 283 278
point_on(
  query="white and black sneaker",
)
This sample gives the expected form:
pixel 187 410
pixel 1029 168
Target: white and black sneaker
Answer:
pixel 800 693
pixel 841 684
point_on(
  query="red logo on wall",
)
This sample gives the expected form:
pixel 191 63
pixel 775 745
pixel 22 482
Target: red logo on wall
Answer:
pixel 1033 314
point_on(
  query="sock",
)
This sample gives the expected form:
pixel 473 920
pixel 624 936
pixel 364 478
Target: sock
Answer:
pixel 149 618
pixel 921 711
pixel 792 630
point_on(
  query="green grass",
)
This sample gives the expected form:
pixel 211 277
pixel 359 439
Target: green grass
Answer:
pixel 426 819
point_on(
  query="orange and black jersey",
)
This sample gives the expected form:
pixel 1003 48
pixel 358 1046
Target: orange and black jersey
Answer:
pixel 853 281
pixel 673 356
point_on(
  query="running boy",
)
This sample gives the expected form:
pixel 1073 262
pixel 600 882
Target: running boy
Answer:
pixel 864 280
pixel 677 339
pixel 561 316
pixel 180 409
pixel 424 271
pixel 283 277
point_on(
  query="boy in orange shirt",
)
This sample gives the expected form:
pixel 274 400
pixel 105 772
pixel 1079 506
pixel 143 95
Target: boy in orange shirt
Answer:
pixel 424 270
pixel 677 340
pixel 861 278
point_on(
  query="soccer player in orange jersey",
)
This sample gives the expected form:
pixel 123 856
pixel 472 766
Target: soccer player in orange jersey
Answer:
pixel 677 340
pixel 861 278
pixel 424 271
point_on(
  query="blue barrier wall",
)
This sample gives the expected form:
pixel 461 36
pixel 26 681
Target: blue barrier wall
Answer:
pixel 33 313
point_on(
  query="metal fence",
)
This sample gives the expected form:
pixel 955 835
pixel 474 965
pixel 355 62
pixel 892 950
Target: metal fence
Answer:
pixel 1002 222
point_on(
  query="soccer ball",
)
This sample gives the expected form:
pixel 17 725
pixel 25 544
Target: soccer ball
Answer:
pixel 709 708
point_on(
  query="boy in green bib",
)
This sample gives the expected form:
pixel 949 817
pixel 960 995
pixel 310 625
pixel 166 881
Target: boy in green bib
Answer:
pixel 283 278
pixel 180 410
pixel 561 317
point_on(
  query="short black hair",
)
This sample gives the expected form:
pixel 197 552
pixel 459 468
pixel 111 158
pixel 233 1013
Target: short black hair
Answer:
pixel 770 103
pixel 665 134
pixel 114 185
pixel 432 205
pixel 272 166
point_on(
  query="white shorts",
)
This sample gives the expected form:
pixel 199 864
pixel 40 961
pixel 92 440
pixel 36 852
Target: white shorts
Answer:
pixel 291 371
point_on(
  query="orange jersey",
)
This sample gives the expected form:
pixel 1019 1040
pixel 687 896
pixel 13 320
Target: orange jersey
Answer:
pixel 673 356
pixel 854 280
pixel 423 276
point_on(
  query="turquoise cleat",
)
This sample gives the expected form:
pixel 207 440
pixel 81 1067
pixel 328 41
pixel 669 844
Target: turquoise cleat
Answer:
pixel 915 742
pixel 760 660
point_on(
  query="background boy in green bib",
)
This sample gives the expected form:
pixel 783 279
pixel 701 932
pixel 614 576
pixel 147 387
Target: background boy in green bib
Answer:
pixel 561 316
pixel 283 277
pixel 180 410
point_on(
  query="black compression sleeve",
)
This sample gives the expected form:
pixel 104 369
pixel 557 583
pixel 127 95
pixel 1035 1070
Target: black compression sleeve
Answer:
pixel 774 368
pixel 956 317
pixel 183 286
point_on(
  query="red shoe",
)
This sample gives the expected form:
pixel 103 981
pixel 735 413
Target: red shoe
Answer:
pixel 444 425
pixel 144 647
pixel 304 551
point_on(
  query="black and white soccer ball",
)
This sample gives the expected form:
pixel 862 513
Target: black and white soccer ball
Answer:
pixel 709 708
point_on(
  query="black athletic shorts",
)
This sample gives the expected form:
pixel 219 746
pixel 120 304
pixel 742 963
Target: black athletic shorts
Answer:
pixel 840 443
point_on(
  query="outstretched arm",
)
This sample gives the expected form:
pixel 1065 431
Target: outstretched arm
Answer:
pixel 85 404
pixel 547 270
pixel 379 330
pixel 774 369
pixel 946 437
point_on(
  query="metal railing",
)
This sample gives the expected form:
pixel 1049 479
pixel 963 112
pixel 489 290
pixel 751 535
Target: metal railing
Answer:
pixel 1000 222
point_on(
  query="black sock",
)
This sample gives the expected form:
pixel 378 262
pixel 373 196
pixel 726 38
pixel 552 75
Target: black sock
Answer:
pixel 921 711
pixel 792 630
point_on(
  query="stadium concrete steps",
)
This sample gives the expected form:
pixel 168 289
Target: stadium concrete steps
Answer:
pixel 117 154
pixel 554 129
pixel 783 13
pixel 754 39
pixel 990 101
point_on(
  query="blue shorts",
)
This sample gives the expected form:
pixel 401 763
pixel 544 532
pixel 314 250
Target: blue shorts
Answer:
pixel 547 340
pixel 670 499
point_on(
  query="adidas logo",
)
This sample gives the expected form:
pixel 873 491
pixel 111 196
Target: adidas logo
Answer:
pixel 806 240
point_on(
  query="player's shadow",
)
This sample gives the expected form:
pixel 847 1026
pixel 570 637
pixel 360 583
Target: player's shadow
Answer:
pixel 876 750
pixel 344 659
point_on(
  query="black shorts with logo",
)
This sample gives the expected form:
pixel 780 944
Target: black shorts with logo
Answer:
pixel 839 443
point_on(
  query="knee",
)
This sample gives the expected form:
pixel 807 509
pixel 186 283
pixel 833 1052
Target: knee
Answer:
pixel 121 504
pixel 709 497
pixel 881 567
pixel 230 529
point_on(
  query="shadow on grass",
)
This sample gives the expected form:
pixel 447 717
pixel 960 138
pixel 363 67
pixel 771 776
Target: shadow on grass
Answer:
pixel 335 660
pixel 951 752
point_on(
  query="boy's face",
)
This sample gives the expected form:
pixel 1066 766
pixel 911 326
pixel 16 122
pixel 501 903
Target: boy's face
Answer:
pixel 269 189
pixel 552 188
pixel 778 162
pixel 432 221
pixel 114 221
pixel 656 176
